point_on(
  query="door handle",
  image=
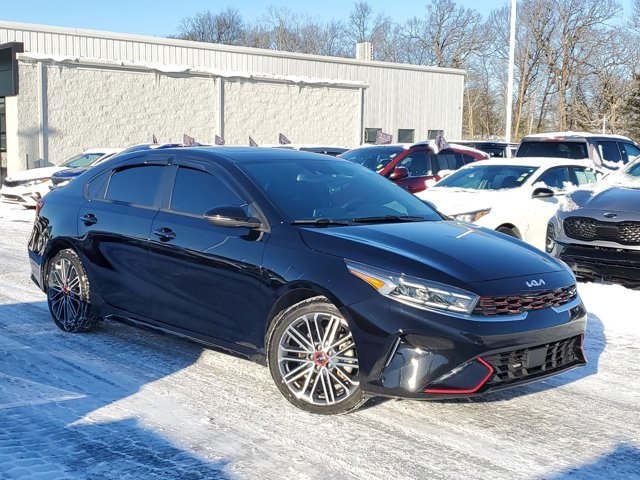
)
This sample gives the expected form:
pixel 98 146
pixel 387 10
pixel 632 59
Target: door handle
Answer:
pixel 89 219
pixel 165 234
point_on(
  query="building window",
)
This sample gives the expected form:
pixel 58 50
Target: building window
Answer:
pixel 433 134
pixel 370 134
pixel 3 127
pixel 405 135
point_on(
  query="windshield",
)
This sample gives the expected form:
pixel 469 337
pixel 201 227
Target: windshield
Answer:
pixel 629 176
pixel 488 177
pixel 553 148
pixel 333 190
pixel 374 158
pixel 82 160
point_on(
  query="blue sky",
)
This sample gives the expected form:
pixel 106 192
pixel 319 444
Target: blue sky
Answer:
pixel 161 17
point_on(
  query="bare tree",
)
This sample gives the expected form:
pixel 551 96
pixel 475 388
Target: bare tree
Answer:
pixel 225 27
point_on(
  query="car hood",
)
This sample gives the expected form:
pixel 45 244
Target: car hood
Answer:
pixel 35 173
pixel 71 172
pixel 620 199
pixel 445 251
pixel 452 201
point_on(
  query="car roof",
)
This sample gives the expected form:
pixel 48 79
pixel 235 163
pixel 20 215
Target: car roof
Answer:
pixel 240 154
pixel 104 151
pixel 569 135
pixel 533 162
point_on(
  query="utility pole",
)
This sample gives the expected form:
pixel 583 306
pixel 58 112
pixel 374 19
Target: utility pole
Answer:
pixel 512 54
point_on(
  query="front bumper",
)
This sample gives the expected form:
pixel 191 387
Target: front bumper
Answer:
pixel 588 262
pixel 27 196
pixel 435 356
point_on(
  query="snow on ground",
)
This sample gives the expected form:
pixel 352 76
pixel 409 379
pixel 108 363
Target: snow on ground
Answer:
pixel 127 403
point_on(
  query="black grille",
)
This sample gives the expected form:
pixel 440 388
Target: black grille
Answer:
pixel 515 304
pixel 15 183
pixel 589 229
pixel 516 365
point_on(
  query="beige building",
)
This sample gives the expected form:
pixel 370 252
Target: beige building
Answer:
pixel 79 89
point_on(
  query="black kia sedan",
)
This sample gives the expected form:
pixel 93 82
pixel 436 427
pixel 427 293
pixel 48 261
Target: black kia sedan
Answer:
pixel 344 284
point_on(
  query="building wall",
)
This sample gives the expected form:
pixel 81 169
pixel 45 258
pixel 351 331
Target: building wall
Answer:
pixel 94 107
pixel 304 114
pixel 399 96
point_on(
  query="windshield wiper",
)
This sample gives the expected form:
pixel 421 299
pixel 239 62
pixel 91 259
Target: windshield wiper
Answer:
pixel 320 221
pixel 389 219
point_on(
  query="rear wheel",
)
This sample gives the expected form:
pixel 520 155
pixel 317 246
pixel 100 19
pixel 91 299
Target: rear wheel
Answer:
pixel 313 358
pixel 68 293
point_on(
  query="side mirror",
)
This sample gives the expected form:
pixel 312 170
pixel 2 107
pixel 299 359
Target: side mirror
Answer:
pixel 232 217
pixel 542 192
pixel 399 173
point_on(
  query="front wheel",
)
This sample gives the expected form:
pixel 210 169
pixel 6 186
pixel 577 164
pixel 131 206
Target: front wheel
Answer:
pixel 313 358
pixel 68 293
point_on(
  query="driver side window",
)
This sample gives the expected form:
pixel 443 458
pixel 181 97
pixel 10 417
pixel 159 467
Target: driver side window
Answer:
pixel 196 192
pixel 417 163
pixel 556 178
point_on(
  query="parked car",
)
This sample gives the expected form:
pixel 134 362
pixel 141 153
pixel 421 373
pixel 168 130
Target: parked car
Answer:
pixel 495 148
pixel 343 284
pixel 596 231
pixel 511 196
pixel 28 186
pixel 609 151
pixel 416 166
pixel 63 177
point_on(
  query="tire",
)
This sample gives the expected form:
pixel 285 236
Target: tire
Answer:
pixel 508 231
pixel 313 358
pixel 67 288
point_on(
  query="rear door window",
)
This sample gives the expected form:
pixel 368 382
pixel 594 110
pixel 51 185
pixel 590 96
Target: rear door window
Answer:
pixel 584 176
pixel 196 192
pixel 136 185
pixel 609 150
pixel 629 152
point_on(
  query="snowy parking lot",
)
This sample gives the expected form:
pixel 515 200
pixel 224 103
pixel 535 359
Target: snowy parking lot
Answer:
pixel 123 402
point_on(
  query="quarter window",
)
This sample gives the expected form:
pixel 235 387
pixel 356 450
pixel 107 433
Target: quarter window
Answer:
pixel 135 185
pixel 196 192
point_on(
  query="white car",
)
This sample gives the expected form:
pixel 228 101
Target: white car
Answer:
pixel 513 196
pixel 28 186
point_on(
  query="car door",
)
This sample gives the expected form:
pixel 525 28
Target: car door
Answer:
pixel 421 174
pixel 115 224
pixel 207 279
pixel 542 209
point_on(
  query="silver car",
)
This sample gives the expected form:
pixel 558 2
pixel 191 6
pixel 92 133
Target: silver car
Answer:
pixel 596 231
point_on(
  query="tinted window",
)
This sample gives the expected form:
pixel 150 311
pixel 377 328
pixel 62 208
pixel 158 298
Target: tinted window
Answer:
pixel 552 148
pixel 98 185
pixel 556 178
pixel 488 177
pixel 417 163
pixel 197 192
pixel 630 152
pixel 608 150
pixel 633 170
pixel 374 158
pixel 137 185
pixel 328 188
pixel 585 176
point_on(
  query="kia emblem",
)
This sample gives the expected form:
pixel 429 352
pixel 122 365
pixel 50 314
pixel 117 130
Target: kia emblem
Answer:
pixel 610 215
pixel 535 283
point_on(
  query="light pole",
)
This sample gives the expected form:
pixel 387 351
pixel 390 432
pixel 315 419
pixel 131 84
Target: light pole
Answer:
pixel 512 54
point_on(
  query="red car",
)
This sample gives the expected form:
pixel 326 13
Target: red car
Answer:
pixel 414 167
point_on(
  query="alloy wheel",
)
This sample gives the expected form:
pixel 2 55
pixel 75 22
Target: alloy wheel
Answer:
pixel 64 291
pixel 317 359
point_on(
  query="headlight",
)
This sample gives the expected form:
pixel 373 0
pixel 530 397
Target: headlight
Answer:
pixel 415 291
pixel 471 216
pixel 37 181
pixel 567 204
